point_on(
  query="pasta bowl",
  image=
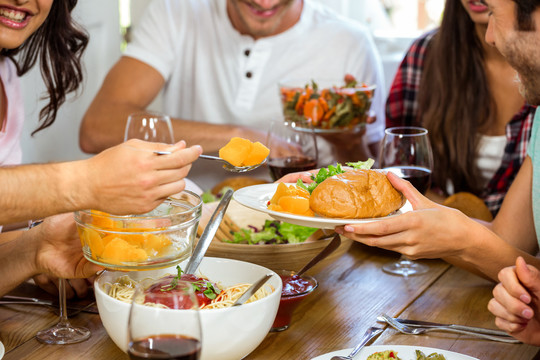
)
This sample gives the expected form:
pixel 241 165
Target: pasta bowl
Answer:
pixel 228 334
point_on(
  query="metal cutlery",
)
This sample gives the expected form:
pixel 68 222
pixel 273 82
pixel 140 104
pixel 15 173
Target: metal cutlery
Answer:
pixel 208 233
pixel 420 323
pixel 370 334
pixel 21 300
pixel 230 167
pixel 405 329
pixel 252 290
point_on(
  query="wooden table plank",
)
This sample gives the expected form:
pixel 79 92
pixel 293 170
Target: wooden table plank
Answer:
pixel 461 298
pixel 352 292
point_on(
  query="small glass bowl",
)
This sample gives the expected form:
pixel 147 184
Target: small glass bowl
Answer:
pixel 289 303
pixel 160 238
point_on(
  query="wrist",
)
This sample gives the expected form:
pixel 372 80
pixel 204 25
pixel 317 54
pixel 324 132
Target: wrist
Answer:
pixel 74 186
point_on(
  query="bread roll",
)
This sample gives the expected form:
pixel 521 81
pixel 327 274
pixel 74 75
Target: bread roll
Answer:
pixel 356 194
pixel 469 204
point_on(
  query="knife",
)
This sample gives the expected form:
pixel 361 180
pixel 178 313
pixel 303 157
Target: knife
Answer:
pixel 453 326
pixel 9 299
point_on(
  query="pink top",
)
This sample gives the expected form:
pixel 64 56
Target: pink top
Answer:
pixel 10 133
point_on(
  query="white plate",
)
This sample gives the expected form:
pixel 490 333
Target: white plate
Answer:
pixel 256 197
pixel 403 351
pixel 2 350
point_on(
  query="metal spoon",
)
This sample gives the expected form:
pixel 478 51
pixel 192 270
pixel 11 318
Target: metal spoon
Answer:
pixel 252 290
pixel 370 334
pixel 230 167
pixel 334 244
pixel 226 165
pixel 208 233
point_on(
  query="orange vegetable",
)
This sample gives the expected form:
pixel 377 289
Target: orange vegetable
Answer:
pixel 313 110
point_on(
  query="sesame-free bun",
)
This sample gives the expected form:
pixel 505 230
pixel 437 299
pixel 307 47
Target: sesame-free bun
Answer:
pixel 469 204
pixel 356 194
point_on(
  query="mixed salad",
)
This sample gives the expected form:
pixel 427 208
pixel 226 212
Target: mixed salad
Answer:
pixel 272 232
pixel 336 107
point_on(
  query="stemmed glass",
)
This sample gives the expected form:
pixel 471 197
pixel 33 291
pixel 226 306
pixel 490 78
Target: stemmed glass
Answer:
pixel 63 332
pixel 164 322
pixel 406 151
pixel 149 126
pixel 292 148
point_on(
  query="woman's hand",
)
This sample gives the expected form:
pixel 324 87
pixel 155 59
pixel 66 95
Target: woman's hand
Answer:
pixel 516 302
pixel 429 231
pixel 305 176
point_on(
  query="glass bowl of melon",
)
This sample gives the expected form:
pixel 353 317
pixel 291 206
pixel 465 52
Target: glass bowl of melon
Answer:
pixel 160 238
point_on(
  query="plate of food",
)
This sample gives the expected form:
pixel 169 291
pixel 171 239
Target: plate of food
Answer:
pixel 331 198
pixel 398 352
pixel 325 106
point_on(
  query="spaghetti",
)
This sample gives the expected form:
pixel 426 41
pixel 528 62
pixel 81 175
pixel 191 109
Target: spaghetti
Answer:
pixel 123 290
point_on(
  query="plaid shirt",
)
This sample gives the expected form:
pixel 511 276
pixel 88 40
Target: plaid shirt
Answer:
pixel 402 109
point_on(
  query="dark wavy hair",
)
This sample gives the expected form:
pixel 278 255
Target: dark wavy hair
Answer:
pixel 59 44
pixel 454 100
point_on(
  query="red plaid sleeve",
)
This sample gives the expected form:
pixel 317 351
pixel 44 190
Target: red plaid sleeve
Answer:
pixel 402 104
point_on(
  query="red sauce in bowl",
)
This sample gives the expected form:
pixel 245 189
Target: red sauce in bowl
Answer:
pixel 294 290
pixel 154 293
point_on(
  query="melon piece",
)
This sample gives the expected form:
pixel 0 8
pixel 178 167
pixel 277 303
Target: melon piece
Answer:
pixel 118 251
pixel 93 240
pixel 258 153
pixel 236 151
pixel 155 244
pixel 294 204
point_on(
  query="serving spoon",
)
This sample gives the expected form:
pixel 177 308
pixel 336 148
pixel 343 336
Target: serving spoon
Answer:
pixel 330 248
pixel 226 165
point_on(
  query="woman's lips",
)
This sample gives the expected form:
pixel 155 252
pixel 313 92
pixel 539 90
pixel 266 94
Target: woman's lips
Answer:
pixel 477 6
pixel 14 19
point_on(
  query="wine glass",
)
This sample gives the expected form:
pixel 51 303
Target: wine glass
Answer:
pixel 63 332
pixel 406 151
pixel 164 321
pixel 292 148
pixel 149 126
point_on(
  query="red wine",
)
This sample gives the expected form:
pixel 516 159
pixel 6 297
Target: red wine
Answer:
pixel 282 166
pixel 419 177
pixel 171 347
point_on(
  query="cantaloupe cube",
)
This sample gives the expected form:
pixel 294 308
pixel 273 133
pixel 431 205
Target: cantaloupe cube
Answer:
pixel 258 153
pixel 294 204
pixel 155 244
pixel 118 251
pixel 281 190
pixel 236 151
pixel 92 238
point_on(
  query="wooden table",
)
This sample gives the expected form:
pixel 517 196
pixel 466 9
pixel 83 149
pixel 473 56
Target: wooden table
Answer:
pixel 352 292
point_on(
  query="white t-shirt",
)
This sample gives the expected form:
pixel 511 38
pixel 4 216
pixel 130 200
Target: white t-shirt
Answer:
pixel 10 131
pixel 214 74
pixel 490 154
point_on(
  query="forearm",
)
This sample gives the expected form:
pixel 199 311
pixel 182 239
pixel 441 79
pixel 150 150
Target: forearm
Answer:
pixel 37 191
pixel 486 253
pixel 17 261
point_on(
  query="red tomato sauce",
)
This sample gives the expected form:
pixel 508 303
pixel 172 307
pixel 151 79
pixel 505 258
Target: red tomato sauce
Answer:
pixel 152 294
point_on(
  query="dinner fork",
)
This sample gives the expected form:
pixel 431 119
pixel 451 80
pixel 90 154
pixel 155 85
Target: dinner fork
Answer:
pixel 370 334
pixel 404 329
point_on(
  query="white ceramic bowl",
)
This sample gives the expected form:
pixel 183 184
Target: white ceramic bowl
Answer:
pixel 228 334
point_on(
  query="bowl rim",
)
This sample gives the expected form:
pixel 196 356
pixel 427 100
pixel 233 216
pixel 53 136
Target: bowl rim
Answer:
pixel 197 207
pixel 300 83
pixel 97 287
